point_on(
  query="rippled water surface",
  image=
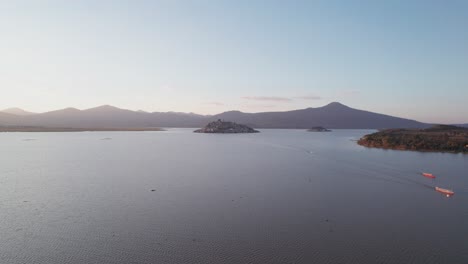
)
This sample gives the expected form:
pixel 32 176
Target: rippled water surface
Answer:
pixel 280 196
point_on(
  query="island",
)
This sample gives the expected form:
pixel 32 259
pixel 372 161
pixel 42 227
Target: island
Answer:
pixel 439 138
pixel 225 127
pixel 318 129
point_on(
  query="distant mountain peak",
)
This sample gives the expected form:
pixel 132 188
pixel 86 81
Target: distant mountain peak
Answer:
pixel 103 108
pixel 65 110
pixel 70 109
pixel 335 104
pixel 233 111
pixel 17 111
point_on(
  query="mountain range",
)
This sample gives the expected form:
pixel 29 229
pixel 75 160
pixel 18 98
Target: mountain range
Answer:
pixel 334 115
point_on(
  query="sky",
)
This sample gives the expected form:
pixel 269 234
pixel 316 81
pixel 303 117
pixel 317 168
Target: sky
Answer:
pixel 402 58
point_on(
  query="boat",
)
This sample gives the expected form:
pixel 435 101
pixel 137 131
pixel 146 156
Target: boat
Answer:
pixel 428 175
pixel 445 191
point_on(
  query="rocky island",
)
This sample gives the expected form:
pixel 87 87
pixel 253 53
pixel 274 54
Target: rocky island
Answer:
pixel 440 138
pixel 318 129
pixel 223 127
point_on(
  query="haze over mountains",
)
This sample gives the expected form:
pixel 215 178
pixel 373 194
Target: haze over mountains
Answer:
pixel 333 115
pixel 17 111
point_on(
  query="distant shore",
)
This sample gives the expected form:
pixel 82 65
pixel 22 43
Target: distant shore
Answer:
pixel 441 138
pixel 69 129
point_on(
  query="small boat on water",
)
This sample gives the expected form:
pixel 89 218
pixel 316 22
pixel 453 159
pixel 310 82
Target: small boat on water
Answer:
pixel 428 175
pixel 445 191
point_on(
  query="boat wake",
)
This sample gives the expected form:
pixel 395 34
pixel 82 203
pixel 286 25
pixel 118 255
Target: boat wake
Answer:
pixel 388 174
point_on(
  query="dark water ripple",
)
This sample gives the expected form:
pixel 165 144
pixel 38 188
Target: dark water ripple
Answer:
pixel 281 196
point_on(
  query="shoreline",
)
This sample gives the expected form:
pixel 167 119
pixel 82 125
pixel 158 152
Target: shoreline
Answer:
pixel 414 150
pixel 68 129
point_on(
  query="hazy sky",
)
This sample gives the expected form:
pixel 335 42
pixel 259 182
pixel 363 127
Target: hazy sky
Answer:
pixel 403 58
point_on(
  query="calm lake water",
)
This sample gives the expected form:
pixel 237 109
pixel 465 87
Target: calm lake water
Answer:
pixel 280 196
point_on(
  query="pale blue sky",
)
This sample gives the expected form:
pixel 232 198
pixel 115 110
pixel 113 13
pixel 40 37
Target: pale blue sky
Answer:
pixel 403 58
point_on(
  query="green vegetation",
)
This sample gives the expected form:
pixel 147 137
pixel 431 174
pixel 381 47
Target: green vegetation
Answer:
pixel 440 138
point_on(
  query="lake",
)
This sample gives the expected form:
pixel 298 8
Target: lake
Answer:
pixel 279 196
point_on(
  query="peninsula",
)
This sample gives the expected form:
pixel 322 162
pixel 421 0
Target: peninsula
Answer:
pixel 439 138
pixel 224 127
